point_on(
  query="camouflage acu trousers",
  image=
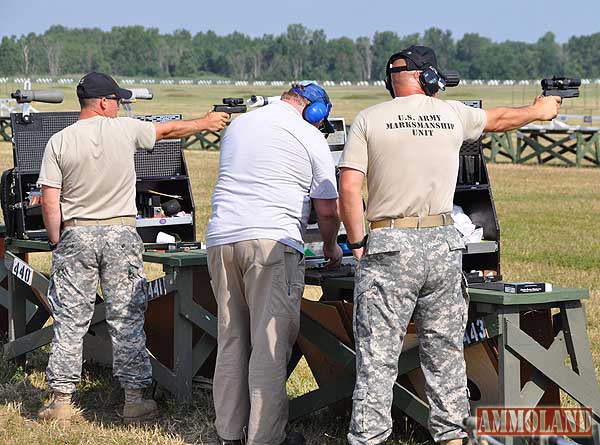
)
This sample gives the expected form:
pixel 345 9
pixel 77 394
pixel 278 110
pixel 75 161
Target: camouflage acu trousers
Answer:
pixel 111 255
pixel 409 272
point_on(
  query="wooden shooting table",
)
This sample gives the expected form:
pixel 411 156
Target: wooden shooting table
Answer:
pixel 528 365
pixel 526 369
pixel 26 304
pixel 571 146
pixel 187 341
pixel 208 140
pixel 549 144
pixel 173 365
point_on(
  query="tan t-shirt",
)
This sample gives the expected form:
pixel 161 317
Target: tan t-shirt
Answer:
pixel 408 148
pixel 92 162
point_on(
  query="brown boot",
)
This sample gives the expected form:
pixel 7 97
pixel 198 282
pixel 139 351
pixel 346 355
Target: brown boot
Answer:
pixel 60 409
pixel 136 408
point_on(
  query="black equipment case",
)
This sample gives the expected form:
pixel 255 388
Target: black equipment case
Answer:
pixel 160 172
pixel 481 261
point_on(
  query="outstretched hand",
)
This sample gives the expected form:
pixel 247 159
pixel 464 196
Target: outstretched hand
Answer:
pixel 547 106
pixel 215 121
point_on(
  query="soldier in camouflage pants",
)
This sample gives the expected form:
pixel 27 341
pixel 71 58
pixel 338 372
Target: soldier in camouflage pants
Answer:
pixel 88 182
pixel 408 150
pixel 405 270
pixel 110 254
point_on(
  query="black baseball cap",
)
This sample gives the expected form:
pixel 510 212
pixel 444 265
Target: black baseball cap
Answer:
pixel 94 85
pixel 416 57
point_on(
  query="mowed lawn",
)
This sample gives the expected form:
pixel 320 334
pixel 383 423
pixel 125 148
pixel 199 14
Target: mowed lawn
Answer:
pixel 548 219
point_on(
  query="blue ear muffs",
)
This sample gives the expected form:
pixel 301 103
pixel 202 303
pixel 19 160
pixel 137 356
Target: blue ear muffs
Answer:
pixel 315 112
pixel 319 106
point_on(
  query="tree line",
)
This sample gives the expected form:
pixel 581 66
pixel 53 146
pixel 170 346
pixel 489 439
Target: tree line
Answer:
pixel 298 53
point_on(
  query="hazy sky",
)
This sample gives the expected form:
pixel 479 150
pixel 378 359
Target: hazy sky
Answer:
pixel 524 20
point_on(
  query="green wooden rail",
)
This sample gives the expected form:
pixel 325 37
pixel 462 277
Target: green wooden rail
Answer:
pixel 5 131
pixel 571 148
pixel 205 140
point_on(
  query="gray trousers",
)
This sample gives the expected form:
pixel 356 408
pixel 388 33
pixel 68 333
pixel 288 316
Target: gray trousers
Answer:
pixel 258 285
pixel 409 272
pixel 86 255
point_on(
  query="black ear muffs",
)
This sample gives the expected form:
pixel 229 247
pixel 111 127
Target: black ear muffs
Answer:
pixel 431 81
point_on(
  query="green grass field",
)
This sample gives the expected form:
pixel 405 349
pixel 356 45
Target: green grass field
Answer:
pixel 548 218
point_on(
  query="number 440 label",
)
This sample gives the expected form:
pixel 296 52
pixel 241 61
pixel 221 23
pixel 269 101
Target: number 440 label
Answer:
pixel 22 270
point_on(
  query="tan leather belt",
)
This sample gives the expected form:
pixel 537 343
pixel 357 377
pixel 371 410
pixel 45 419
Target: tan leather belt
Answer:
pixel 414 222
pixel 118 221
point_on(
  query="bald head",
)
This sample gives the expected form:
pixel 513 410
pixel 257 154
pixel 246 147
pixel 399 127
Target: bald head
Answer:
pixel 405 83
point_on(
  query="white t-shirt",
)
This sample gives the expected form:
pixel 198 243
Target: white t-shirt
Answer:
pixel 272 162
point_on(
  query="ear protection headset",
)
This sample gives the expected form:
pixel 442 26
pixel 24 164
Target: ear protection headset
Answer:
pixel 430 79
pixel 319 106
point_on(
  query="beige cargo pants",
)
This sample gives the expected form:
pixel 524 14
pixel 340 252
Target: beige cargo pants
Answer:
pixel 258 285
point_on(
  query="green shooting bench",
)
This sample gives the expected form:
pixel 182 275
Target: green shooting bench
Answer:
pixel 560 145
pixel 181 334
pixel 517 358
pixel 5 134
pixel 572 146
pixel 526 340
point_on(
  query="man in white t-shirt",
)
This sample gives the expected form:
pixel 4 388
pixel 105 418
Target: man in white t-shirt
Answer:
pixel 273 162
pixel 408 150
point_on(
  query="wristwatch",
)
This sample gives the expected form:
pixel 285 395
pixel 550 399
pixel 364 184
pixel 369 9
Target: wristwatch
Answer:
pixel 52 245
pixel 359 244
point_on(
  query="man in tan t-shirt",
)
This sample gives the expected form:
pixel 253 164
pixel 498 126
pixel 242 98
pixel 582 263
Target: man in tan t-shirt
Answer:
pixel 408 149
pixel 92 164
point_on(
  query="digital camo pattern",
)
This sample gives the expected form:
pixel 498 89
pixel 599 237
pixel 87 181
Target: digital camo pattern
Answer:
pixel 84 256
pixel 406 270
